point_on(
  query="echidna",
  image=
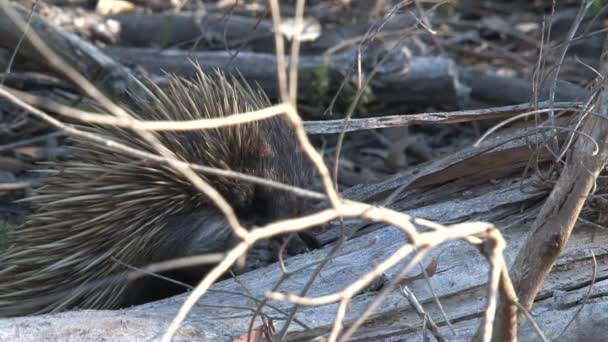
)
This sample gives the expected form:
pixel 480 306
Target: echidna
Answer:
pixel 103 209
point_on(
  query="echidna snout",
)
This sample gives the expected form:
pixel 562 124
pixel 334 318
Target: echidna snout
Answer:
pixel 106 209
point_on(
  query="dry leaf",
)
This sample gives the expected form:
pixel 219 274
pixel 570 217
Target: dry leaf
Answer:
pixel 112 7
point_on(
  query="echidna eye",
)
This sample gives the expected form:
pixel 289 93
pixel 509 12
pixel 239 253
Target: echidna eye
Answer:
pixel 250 210
pixel 245 214
pixel 261 205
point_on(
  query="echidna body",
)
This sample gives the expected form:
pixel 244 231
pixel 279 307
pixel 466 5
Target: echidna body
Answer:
pixel 104 209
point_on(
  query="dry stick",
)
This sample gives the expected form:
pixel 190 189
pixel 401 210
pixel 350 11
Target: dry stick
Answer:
pixel 503 123
pixel 572 31
pixel 573 28
pixel 509 312
pixel 586 111
pixel 350 42
pixel 286 274
pixel 411 295
pixel 432 118
pixel 437 302
pixel 295 52
pixel 371 32
pixel 585 300
pixel 426 24
pixel 243 42
pixel 147 125
pixel 493 250
pixel 260 303
pixel 553 146
pixel 293 94
pixel 231 257
pixel 537 74
pixel 552 228
pixel 428 323
pixel 344 124
pixel 339 320
pixel 254 299
pixel 202 288
pixel 280 51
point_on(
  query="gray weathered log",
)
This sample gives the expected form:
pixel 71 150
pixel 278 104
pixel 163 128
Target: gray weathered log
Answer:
pixel 458 283
pixel 211 28
pixel 214 27
pixel 415 81
pixel 491 88
pixel 224 313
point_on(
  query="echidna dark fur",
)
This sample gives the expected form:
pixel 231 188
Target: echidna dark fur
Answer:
pixel 104 209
